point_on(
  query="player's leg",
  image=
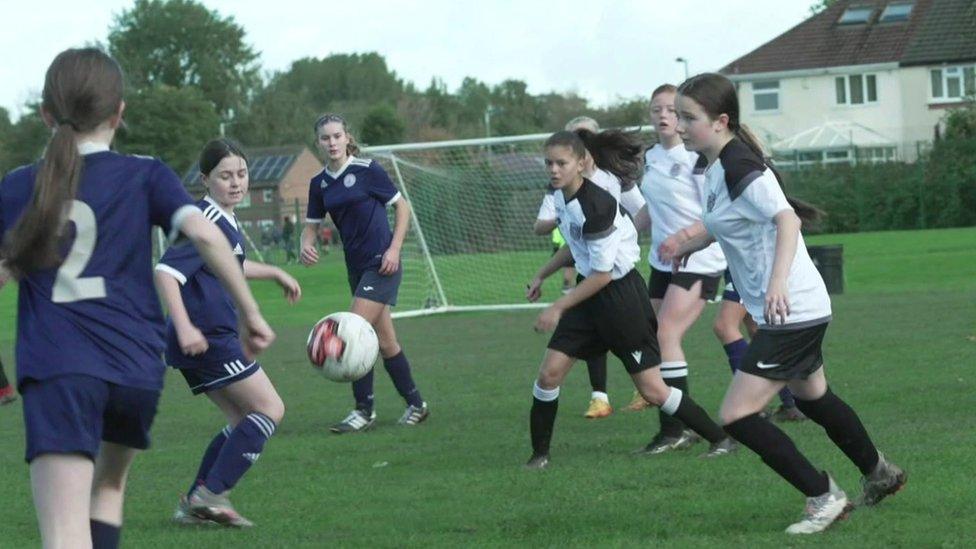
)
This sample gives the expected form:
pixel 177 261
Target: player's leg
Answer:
pixel 880 478
pixel 545 403
pixel 108 493
pixel 7 393
pixel 398 368
pixel 657 287
pixel 254 409
pixel 599 407
pixel 61 485
pixel 680 308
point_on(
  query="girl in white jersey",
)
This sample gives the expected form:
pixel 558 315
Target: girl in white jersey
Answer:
pixel 607 310
pixel 758 228
pixel 546 222
pixel 674 201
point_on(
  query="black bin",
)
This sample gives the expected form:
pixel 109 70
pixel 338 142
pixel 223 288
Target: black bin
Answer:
pixel 829 260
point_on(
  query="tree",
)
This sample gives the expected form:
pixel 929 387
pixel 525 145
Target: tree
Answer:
pixel 961 122
pixel 180 43
pixel 382 126
pixel 275 116
pixel 821 5
pixel 23 142
pixel 170 123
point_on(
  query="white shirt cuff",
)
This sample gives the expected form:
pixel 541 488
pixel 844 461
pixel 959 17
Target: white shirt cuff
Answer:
pixel 162 267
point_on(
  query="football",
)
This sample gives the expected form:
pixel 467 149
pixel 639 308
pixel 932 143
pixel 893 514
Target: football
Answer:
pixel 342 346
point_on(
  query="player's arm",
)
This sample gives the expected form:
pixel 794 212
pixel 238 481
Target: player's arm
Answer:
pixel 310 252
pixel 546 220
pixel 787 236
pixel 643 219
pixel 677 248
pixel 191 339
pixel 391 258
pixel 562 258
pixel 543 227
pixel 255 270
pixel 216 253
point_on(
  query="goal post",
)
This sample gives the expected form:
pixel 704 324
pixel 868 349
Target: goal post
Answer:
pixel 470 246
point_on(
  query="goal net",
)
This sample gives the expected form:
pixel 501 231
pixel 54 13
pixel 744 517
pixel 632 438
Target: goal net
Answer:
pixel 470 244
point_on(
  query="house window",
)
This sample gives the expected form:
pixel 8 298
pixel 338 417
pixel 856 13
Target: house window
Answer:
pixel 953 82
pixel 896 12
pixel 765 94
pixel 853 16
pixel 268 195
pixel 856 89
pixel 246 201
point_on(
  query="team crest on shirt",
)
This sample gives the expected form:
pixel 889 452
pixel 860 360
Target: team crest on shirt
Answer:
pixel 675 170
pixel 349 180
pixel 711 202
pixel 575 231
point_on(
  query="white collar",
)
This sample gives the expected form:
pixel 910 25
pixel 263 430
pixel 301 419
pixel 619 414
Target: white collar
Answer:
pixel 229 217
pixel 335 175
pixel 91 147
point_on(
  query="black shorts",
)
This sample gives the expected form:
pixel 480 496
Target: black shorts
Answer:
pixel 372 285
pixel 660 280
pixel 785 354
pixel 215 376
pixel 618 318
pixel 730 293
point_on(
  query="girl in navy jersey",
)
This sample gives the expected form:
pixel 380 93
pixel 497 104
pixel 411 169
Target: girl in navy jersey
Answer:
pixel 633 203
pixel 76 233
pixel 356 193
pixel 608 309
pixel 203 343
pixel 673 197
pixel 758 228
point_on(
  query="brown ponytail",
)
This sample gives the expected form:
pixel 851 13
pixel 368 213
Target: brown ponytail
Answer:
pixel 716 95
pixel 618 152
pixel 82 89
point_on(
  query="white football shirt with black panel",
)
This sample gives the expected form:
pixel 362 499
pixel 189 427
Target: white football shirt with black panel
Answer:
pixel 631 200
pixel 600 236
pixel 675 200
pixel 742 198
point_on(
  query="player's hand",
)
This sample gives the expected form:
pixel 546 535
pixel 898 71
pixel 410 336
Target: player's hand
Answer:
pixel 548 319
pixel 777 302
pixel 310 255
pixel 192 341
pixel 391 261
pixel 669 250
pixel 533 290
pixel 679 261
pixel 293 291
pixel 256 335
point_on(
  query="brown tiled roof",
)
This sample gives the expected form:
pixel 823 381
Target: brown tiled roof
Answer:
pixel 947 35
pixel 820 42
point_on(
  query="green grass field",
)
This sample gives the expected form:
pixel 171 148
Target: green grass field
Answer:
pixel 901 350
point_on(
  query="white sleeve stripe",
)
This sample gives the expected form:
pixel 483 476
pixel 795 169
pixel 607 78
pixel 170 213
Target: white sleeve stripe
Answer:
pixel 394 199
pixel 313 220
pixel 179 216
pixel 180 277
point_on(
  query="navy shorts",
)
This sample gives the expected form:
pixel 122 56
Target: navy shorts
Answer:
pixel 371 285
pixel 74 413
pixel 730 294
pixel 202 379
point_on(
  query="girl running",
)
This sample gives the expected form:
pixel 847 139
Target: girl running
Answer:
pixel 758 228
pixel 203 343
pixel 355 193
pixel 608 308
pixel 76 234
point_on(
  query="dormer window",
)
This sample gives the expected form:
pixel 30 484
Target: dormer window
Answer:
pixel 896 12
pixel 855 15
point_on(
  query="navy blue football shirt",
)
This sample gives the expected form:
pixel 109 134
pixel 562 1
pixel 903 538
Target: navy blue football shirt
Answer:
pixel 97 313
pixel 356 198
pixel 208 304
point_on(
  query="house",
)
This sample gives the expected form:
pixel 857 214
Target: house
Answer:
pixel 279 179
pixel 863 80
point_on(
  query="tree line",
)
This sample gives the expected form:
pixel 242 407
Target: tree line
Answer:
pixel 191 75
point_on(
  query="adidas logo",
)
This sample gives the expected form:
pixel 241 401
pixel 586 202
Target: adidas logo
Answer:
pixel 251 457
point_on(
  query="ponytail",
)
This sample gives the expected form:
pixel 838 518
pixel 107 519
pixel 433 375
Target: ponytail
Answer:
pixel 82 89
pixel 616 151
pixel 352 149
pixel 808 213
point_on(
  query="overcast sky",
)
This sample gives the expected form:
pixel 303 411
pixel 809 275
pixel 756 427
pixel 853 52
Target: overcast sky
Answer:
pixel 604 50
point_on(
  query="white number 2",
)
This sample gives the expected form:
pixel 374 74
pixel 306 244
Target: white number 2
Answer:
pixel 69 286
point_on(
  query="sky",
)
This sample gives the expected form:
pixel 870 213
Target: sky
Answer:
pixel 605 50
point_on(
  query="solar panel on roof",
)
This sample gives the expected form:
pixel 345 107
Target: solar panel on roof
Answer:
pixel 278 170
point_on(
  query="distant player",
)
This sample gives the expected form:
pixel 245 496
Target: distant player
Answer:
pixel 674 201
pixel 7 393
pixel 758 228
pixel 608 309
pixel 203 343
pixel 76 233
pixel 355 193
pixel 546 222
